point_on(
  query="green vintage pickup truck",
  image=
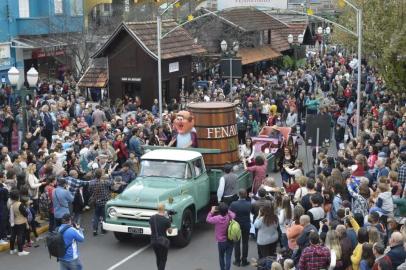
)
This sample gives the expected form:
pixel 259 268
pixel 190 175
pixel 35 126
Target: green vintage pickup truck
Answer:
pixel 175 177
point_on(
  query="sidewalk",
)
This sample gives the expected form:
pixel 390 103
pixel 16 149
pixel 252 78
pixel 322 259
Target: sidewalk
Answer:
pixel 40 230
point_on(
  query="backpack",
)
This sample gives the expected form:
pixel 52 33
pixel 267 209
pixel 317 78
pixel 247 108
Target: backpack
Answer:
pixel 265 263
pixel 56 243
pixel 44 202
pixel 233 231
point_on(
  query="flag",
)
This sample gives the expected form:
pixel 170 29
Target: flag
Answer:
pixel 341 3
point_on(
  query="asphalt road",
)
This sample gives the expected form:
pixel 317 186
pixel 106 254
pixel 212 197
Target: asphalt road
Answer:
pixel 104 252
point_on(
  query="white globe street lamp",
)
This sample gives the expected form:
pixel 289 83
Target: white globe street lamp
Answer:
pixel 236 46
pixel 13 75
pixel 223 46
pixel 300 38
pixel 290 38
pixel 32 77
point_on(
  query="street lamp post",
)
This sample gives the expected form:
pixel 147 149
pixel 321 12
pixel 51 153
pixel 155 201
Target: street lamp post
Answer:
pixel 291 40
pixel 325 34
pixel 230 54
pixel 32 79
pixel 159 37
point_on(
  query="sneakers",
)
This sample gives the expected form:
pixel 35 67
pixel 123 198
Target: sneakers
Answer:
pixel 12 252
pixel 23 253
pixel 94 233
pixel 3 242
pixel 87 207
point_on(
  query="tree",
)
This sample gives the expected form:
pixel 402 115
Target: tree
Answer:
pixel 384 41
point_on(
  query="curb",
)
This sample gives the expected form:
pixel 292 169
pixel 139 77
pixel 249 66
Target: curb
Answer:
pixel 40 230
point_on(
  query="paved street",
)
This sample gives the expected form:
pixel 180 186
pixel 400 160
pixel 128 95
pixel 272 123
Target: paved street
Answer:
pixel 105 252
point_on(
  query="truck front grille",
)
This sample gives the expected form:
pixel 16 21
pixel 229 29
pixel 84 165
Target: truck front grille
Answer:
pixel 135 213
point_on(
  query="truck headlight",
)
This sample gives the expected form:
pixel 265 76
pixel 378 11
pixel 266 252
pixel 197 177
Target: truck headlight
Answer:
pixel 112 212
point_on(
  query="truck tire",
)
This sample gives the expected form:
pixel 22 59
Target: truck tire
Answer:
pixel 122 236
pixel 185 232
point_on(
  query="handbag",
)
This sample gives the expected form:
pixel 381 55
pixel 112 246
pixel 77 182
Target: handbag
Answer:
pixel 160 240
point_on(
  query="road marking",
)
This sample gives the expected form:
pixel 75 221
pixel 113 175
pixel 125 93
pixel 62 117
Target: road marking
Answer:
pixel 129 257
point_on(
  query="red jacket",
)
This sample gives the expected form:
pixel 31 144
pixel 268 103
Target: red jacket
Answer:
pixel 123 153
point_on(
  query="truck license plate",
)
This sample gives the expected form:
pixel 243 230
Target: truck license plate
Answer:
pixel 135 230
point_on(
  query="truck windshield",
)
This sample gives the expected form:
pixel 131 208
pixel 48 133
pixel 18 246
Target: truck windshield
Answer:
pixel 163 168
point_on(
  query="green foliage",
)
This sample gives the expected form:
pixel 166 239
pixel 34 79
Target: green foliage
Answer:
pixel 384 41
pixel 287 62
pixel 291 63
pixel 301 63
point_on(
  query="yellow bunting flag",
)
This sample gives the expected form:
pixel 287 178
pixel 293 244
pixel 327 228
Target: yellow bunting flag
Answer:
pixel 190 18
pixel 310 11
pixel 341 3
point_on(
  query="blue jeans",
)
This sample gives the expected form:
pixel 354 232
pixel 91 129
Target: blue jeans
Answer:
pixel 70 265
pixel 225 252
pixel 98 214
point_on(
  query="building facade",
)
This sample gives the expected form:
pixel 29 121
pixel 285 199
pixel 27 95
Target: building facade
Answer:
pixel 33 31
pixel 132 67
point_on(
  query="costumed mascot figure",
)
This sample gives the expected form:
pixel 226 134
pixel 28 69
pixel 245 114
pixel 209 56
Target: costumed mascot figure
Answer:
pixel 186 133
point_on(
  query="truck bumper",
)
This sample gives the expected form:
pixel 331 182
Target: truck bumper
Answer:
pixel 125 229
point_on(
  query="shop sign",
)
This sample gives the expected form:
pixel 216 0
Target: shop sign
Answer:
pixel 173 67
pixel 39 53
pixel 128 79
pixel 5 60
pixel 223 4
pixel 4 51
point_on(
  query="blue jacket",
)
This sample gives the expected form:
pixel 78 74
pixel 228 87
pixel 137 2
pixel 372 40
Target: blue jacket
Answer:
pixel 242 210
pixel 61 199
pixel 134 145
pixel 71 236
pixel 397 255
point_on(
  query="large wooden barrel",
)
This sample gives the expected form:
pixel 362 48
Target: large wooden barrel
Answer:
pixel 216 128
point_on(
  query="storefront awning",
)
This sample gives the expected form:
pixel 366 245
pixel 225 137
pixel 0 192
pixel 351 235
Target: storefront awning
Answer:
pixel 46 41
pixel 252 55
pixel 96 75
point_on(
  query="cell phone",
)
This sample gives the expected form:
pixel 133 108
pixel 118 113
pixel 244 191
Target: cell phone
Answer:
pixel 347 211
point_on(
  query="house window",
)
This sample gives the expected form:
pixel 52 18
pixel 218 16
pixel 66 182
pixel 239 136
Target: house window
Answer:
pixel 24 8
pixel 58 6
pixel 76 7
pixel 107 8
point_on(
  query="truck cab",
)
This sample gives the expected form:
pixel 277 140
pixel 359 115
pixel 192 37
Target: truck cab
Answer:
pixel 177 178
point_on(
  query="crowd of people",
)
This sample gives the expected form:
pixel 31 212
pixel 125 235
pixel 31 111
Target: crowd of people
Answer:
pixel 348 213
pixel 70 156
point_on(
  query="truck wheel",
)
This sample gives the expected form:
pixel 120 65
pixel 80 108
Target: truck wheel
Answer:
pixel 122 236
pixel 185 232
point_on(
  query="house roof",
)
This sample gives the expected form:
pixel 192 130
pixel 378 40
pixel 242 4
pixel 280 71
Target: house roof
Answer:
pixel 279 37
pixel 176 44
pixel 96 76
pixel 252 55
pixel 251 19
